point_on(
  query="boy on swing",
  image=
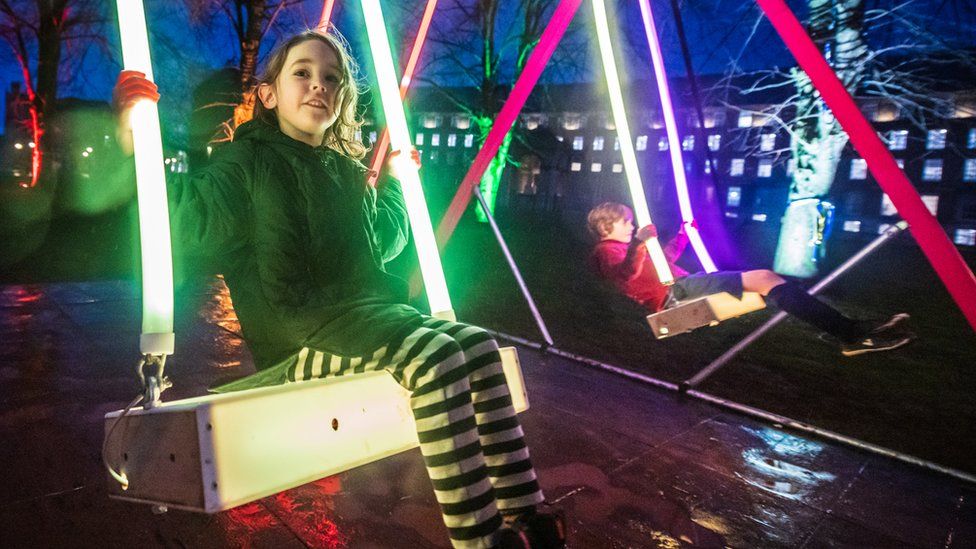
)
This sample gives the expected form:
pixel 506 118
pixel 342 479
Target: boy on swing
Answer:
pixel 621 258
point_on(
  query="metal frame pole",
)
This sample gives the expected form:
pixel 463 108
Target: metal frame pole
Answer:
pixel 511 263
pixel 727 356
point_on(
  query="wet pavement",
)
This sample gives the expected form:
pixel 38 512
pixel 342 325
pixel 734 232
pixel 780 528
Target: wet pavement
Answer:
pixel 632 466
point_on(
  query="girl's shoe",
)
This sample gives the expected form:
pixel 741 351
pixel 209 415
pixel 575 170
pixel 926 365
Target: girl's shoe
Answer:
pixel 535 531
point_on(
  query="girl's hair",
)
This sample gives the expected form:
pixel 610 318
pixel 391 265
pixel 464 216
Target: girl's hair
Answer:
pixel 340 136
pixel 601 219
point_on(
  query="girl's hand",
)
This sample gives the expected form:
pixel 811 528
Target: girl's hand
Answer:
pixel 392 162
pixel 131 87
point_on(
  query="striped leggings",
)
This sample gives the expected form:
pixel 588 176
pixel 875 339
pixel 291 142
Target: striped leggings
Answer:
pixel 469 434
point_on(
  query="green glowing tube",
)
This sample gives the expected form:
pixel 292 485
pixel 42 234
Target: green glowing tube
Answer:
pixel 396 122
pixel 641 213
pixel 157 262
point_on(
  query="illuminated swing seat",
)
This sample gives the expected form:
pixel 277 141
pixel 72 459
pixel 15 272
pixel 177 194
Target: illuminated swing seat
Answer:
pixel 703 311
pixel 215 452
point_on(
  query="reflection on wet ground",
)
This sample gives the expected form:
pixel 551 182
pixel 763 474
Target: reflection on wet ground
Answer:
pixel 631 466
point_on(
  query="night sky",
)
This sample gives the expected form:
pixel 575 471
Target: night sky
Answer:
pixel 717 31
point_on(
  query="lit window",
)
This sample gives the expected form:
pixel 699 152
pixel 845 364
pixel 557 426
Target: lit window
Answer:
pixel 372 137
pixel 435 140
pixel 898 140
pixel 932 170
pixel 616 143
pixel 745 119
pixel 971 139
pixel 468 140
pixel 358 136
pixel 662 143
pixel 882 228
pixel 707 166
pixel 452 140
pixel 462 121
pixel 688 143
pixel 578 143
pixel 931 202
pixel 617 168
pixel 714 141
pixel 767 142
pixel 965 237
pixel 689 166
pixel 576 166
pixel 936 140
pixel 572 122
pixel 532 122
pixel 431 121
pixel 737 167
pixel 642 142
pixel 859 169
pixel 760 217
pixel 790 166
pixel 733 215
pixel 852 226
pixel 420 139
pixel 900 162
pixel 887 207
pixel 969 169
pixel 733 197
pixel 765 168
pixel 598 143
pixel 596 167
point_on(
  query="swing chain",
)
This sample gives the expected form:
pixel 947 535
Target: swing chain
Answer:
pixel 153 384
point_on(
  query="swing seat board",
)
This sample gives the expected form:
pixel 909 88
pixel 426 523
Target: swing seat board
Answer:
pixel 215 452
pixel 703 311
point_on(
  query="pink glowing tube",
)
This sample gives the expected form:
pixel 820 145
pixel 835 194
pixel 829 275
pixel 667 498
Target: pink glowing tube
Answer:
pixel 674 144
pixel 939 250
pixel 379 150
pixel 506 117
pixel 326 15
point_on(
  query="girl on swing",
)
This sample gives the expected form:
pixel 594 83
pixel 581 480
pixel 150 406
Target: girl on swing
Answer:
pixel 621 258
pixel 302 239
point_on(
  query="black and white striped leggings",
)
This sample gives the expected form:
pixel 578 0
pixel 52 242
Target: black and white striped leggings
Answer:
pixel 469 434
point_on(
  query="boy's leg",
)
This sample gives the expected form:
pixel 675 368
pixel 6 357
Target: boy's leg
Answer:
pixel 506 454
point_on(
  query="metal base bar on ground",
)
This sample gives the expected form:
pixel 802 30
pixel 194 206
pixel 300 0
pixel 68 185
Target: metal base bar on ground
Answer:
pixel 511 263
pixel 727 356
pixel 776 419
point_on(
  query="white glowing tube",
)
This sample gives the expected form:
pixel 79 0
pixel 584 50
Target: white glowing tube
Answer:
pixel 396 122
pixel 641 213
pixel 674 144
pixel 157 262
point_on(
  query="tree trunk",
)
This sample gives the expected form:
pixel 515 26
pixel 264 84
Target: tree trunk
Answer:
pixel 43 95
pixel 837 27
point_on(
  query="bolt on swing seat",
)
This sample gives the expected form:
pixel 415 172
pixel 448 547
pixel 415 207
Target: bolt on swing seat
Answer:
pixel 215 452
pixel 703 311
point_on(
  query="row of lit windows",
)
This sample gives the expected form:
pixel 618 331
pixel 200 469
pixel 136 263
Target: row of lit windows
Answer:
pixel 935 140
pixel 931 169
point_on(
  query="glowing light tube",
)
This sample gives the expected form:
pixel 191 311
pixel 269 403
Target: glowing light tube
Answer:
pixel 157 261
pixel 550 38
pixel 396 122
pixel 326 16
pixel 671 126
pixel 379 150
pixel 941 253
pixel 641 212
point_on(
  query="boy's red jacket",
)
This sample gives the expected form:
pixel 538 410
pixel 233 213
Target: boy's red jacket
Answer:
pixel 629 268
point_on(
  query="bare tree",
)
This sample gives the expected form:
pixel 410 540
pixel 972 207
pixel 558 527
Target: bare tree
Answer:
pixel 38 33
pixel 484 44
pixel 251 21
pixel 900 72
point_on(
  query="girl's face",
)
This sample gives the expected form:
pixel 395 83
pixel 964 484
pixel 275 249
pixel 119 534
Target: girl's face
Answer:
pixel 622 230
pixel 304 94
